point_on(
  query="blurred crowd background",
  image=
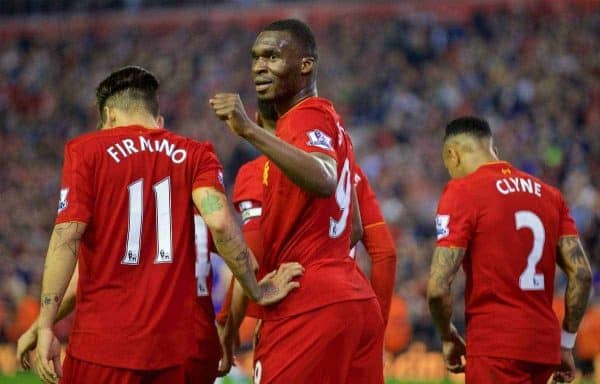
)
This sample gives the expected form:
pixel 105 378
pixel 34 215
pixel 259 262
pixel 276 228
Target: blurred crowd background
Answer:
pixel 397 72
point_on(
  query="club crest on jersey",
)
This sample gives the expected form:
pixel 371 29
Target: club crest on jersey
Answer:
pixel 441 226
pixel 62 202
pixel 318 139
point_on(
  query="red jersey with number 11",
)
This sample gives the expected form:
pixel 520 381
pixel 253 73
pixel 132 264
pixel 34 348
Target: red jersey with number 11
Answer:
pixel 136 293
pixel 509 222
pixel 314 231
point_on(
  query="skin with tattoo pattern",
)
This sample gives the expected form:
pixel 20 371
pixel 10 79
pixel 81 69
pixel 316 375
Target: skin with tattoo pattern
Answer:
pixel 468 148
pixel 128 107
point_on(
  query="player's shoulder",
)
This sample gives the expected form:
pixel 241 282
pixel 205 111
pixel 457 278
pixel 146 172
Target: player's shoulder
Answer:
pixel 547 188
pixel 84 139
pixel 457 186
pixel 316 107
pixel 248 181
pixel 196 148
pixel 190 142
pixel 252 167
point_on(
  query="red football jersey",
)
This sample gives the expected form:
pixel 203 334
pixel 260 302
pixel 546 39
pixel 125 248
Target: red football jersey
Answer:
pixel 378 242
pixel 510 223
pixel 136 296
pixel 314 231
pixel 248 192
pixel 370 213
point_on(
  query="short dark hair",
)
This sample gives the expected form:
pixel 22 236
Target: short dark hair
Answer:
pixel 469 125
pixel 300 32
pixel 128 85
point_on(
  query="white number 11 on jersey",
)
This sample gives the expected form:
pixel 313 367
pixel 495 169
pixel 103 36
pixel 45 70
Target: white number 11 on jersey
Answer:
pixel 162 194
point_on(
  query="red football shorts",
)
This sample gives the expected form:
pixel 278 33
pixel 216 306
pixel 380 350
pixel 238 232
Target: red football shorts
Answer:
pixel 77 371
pixel 494 370
pixel 338 343
pixel 201 371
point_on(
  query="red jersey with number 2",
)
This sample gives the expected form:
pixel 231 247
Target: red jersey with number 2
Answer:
pixel 314 231
pixel 136 294
pixel 510 223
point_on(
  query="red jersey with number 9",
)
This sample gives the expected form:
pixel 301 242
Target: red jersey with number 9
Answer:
pixel 137 290
pixel 509 222
pixel 314 231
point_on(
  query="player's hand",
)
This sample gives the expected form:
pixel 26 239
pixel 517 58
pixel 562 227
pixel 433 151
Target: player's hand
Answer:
pixel 25 344
pixel 229 107
pixel 48 355
pixel 565 373
pixel 277 284
pixel 227 338
pixel 453 349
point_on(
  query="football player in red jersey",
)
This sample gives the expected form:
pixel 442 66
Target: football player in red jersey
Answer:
pixel 507 229
pixel 247 199
pixel 126 215
pixel 331 328
pixel 202 364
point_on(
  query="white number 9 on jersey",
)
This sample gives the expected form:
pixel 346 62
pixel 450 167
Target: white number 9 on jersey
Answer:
pixel 343 197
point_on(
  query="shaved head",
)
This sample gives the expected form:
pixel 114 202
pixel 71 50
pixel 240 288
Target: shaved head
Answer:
pixel 468 144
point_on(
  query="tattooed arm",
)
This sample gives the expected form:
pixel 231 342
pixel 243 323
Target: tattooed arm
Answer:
pixel 572 260
pixel 27 341
pixel 226 234
pixel 58 269
pixel 444 266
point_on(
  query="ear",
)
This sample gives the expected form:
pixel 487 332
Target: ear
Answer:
pixel 160 121
pixel 307 66
pixel 452 156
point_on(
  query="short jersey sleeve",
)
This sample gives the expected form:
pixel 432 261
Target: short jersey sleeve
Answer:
pixel 247 193
pixel 76 202
pixel 567 224
pixel 456 219
pixel 315 131
pixel 370 213
pixel 208 171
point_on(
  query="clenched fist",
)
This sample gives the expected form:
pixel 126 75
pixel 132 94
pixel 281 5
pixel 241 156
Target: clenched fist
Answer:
pixel 229 107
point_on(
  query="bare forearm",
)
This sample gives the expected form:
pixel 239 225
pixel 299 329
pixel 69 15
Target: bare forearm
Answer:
pixel 440 307
pixel 68 302
pixel 576 301
pixel 573 261
pixel 227 237
pixel 444 266
pixel 239 303
pixel 58 269
pixel 239 259
pixel 304 169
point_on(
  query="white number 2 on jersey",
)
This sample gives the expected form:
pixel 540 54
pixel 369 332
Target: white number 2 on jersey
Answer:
pixel 162 193
pixel 343 197
pixel 529 279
